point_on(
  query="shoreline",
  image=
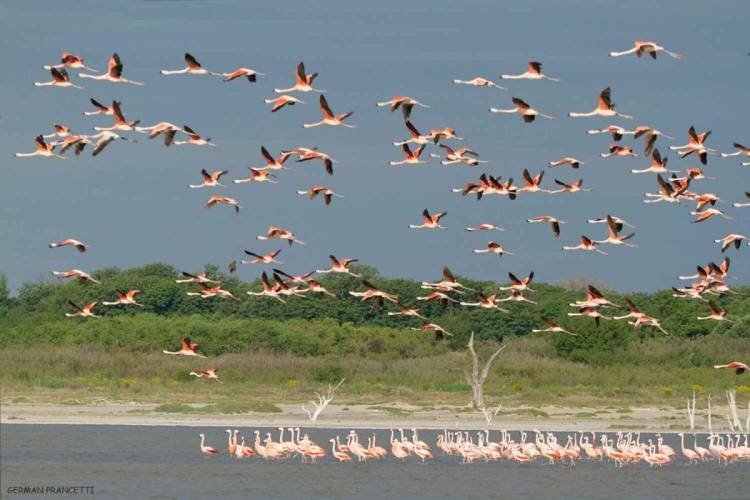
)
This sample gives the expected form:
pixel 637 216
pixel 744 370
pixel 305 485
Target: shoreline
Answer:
pixel 361 416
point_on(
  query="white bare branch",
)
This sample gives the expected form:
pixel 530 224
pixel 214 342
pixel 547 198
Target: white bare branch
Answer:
pixel 322 403
pixel 476 378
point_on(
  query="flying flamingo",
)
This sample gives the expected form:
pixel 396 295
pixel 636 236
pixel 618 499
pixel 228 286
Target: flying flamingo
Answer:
pixel 124 298
pixel 258 175
pixel 316 190
pixel 302 83
pixel 479 82
pixel 570 188
pixel 192 67
pixel 329 118
pixel 605 107
pixel 226 200
pixel 658 165
pixel 738 367
pixel 528 114
pixel 405 103
pixel 649 135
pixel 731 239
pixel 567 160
pixel 741 205
pixel 60 78
pixel 281 101
pixel 120 122
pixel 210 373
pixel 113 74
pixel 516 296
pixel 534 72
pixel 300 279
pixel 696 145
pixel 375 294
pixel 339 266
pixel 274 163
pixel 101 109
pixel 484 227
pixel 493 247
pixel 86 311
pixel 444 133
pixel 169 130
pixel 69 60
pixel 645 47
pixel 416 136
pixel 741 151
pixel 460 155
pixel 60 131
pixel 442 297
pixel 410 157
pixel 248 73
pixel 615 150
pixel 268 290
pixel 448 283
pixel 553 222
pixel 553 327
pixel 79 275
pixel 590 312
pixel 276 233
pixel 194 138
pixel 269 258
pixel 307 154
pixel 315 286
pixel 195 278
pixel 667 192
pixel 586 244
pixel 440 332
pixel 187 348
pixel 430 221
pixel 42 149
pixel 70 242
pixel 208 292
pixel 613 237
pixel 716 313
pixel 406 311
pixel 485 302
pixel 708 213
pixel 519 284
pixel 210 180
pixel 615 131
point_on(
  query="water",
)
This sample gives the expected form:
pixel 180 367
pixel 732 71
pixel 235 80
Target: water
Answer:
pixel 165 462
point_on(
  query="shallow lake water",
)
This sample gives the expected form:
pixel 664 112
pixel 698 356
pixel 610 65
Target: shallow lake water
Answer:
pixel 165 462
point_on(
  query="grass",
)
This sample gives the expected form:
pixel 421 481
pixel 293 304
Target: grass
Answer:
pixel 527 374
pixel 225 407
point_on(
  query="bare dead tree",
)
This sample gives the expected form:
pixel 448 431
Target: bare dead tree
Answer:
pixel 691 412
pixel 735 422
pixel 490 415
pixel 710 428
pixel 322 403
pixel 477 378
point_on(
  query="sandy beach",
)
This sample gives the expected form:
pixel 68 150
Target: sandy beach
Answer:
pixel 378 417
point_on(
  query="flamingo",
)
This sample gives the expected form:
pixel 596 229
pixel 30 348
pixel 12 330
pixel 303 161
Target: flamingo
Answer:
pixel 738 367
pixel 605 107
pixel 258 175
pixel 740 151
pixel 125 298
pixel 416 136
pixel 741 205
pixel 113 74
pixel 207 449
pixel 485 226
pixel 586 244
pixel 281 101
pixel 277 233
pixel 615 131
pixel 69 60
pixel 460 155
pixel 406 311
pixel 516 296
pixel 615 150
pixel 731 239
pixel 553 327
pixel 528 114
pixel 60 78
pixel 60 131
pixel 646 47
pixel 207 292
pixel 339 266
pixel 567 160
pixel 479 82
pixel 405 103
pixel 440 296
pixel 650 135
pixel 708 213
pixel 120 122
pixel 658 165
pixel 696 145
pixel 103 139
pixel 430 221
pixel 613 237
pixel 329 118
pixel 169 130
pixel 274 163
pixel 590 312
pixel 519 284
pixel 315 286
pixel 210 179
pixel 187 348
pixel 268 290
pixel 444 133
pixel 716 313
pixel 70 242
pixel 86 311
pixel 339 455
pixel 553 222
pixel 42 149
pixel 303 81
pixel 192 67
pixel 316 190
pixel 449 282
pixel 211 373
pixel 269 258
pixel 307 154
pixel 195 278
pixel 79 275
pixel 410 157
pixel 226 200
pixel 194 138
pixel 485 302
pixel 439 331
pixel 534 72
pixel 494 247
pixel 570 188
pixel 375 294
pixel 101 109
pixel 250 74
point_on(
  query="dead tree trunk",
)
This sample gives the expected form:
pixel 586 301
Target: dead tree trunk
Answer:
pixel 322 402
pixel 477 378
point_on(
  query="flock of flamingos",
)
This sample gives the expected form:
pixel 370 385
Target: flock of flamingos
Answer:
pixel 626 449
pixel 708 283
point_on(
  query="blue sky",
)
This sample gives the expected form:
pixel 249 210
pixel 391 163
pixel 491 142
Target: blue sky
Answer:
pixel 132 204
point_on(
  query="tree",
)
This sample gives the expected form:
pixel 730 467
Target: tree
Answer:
pixel 476 378
pixel 322 402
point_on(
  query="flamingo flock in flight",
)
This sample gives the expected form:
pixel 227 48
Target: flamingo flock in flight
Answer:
pixel 710 284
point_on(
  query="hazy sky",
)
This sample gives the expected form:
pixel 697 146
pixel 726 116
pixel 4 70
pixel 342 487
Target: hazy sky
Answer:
pixel 133 206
